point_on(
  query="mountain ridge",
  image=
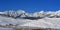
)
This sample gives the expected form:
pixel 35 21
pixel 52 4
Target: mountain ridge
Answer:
pixel 36 15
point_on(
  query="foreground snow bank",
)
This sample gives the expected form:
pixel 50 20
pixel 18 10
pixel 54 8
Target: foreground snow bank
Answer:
pixel 6 28
pixel 40 23
pixel 45 23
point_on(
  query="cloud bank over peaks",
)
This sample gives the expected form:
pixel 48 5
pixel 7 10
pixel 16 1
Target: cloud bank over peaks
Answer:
pixel 21 13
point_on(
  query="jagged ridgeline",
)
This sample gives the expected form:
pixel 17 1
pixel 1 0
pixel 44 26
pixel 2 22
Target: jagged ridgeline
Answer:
pixel 36 15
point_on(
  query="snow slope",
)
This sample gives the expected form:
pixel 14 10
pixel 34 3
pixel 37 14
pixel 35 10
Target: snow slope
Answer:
pixel 8 20
pixel 43 23
pixel 6 28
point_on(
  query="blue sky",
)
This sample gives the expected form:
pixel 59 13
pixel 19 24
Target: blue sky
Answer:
pixel 30 5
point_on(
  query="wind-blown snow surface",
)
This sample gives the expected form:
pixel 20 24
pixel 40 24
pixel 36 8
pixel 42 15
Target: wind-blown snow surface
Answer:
pixel 45 22
pixel 6 28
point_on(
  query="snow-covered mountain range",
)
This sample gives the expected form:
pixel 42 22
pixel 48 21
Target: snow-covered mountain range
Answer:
pixel 38 19
pixel 36 15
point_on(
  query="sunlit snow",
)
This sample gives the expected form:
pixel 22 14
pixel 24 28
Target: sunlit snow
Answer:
pixel 48 19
